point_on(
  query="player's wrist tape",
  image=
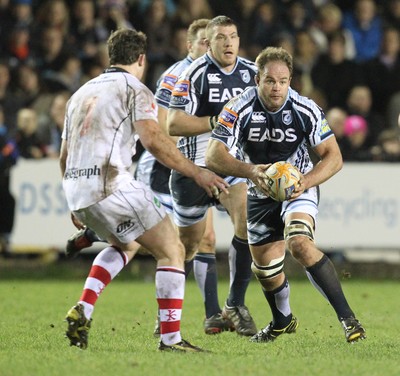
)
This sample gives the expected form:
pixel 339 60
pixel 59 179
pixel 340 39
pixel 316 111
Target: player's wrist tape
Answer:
pixel 212 120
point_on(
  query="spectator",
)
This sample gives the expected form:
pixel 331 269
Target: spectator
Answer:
pixel 28 143
pixel 298 15
pixel 157 26
pixel 391 13
pixel 365 25
pixel 334 74
pixel 188 11
pixel 388 146
pixel 393 111
pixel 336 117
pixel 51 125
pixel 9 102
pixel 359 102
pixel 382 74
pixel 305 56
pixel 30 90
pixel 86 31
pixel 329 22
pixel 18 49
pixel 8 158
pixel 356 131
pixel 114 15
pixel 51 52
pixel 263 27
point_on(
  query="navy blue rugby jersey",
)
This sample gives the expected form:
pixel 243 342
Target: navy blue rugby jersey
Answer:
pixel 256 135
pixel 202 90
pixel 168 79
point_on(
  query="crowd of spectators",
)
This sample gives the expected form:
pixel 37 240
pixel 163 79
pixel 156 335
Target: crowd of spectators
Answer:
pixel 346 56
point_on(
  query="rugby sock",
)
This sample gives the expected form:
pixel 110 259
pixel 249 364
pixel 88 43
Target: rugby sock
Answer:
pixel 170 290
pixel 107 264
pixel 278 300
pixel 325 279
pixel 240 271
pixel 205 273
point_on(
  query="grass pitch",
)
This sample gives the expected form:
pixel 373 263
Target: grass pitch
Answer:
pixel 121 343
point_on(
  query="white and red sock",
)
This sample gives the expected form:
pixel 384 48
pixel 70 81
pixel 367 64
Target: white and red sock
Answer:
pixel 107 264
pixel 170 290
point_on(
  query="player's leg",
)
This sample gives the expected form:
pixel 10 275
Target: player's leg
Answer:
pixel 239 261
pixel 205 273
pixel 299 234
pixel 268 268
pixel 265 234
pixel 163 243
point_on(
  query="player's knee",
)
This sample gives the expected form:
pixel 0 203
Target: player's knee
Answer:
pixel 207 243
pixel 298 234
pixel 264 273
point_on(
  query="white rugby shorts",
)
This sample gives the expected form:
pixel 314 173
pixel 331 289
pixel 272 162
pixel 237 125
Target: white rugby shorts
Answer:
pixel 124 215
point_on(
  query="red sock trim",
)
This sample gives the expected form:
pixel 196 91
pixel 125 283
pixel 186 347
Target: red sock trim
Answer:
pixel 170 303
pixel 169 327
pixel 101 274
pixel 88 296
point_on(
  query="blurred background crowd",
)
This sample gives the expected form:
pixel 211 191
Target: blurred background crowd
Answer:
pixel 346 56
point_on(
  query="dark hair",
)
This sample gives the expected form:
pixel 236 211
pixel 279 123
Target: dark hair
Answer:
pixel 274 54
pixel 218 21
pixel 125 46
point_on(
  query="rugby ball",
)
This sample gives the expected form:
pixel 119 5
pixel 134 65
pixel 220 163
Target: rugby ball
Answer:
pixel 281 178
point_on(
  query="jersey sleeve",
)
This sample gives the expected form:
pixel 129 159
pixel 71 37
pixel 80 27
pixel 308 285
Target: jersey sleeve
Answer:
pixel 185 96
pixel 227 126
pixel 164 89
pixel 144 105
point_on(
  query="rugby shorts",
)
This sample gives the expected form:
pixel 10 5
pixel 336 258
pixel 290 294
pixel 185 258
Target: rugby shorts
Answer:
pixel 190 201
pixel 266 217
pixel 125 214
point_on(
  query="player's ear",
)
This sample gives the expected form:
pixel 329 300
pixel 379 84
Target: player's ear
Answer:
pixel 257 78
pixel 142 60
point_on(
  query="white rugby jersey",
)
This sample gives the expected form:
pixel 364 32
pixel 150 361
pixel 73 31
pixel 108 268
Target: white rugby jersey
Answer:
pixel 202 90
pixel 165 85
pixel 100 134
pixel 256 135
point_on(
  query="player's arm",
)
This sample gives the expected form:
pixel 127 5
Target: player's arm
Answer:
pixel 180 123
pixel 221 161
pixel 63 156
pixel 331 162
pixel 165 151
pixel 162 121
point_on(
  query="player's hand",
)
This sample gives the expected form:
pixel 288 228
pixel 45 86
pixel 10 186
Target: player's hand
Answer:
pixel 258 177
pixel 77 223
pixel 211 182
pixel 300 187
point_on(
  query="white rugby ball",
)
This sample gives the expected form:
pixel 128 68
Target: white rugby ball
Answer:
pixel 281 178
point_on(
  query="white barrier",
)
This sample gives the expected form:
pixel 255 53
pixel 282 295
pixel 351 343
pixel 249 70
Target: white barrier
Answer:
pixel 360 208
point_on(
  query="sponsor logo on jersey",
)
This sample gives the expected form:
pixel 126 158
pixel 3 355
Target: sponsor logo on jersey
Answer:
pixel 75 173
pixel 169 81
pixel 325 128
pixel 181 88
pixel 245 75
pixel 227 117
pixel 214 78
pixel 258 117
pixel 274 135
pixel 287 117
pixel 219 95
pixel 124 226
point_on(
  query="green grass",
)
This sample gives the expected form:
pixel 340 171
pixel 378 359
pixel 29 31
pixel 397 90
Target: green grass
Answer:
pixel 121 343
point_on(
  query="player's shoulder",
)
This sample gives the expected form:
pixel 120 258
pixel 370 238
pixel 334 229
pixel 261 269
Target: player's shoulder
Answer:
pixel 247 63
pixel 304 104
